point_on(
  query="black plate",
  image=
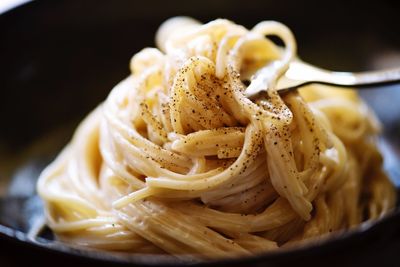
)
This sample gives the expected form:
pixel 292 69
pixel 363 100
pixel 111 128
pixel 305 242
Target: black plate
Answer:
pixel 59 59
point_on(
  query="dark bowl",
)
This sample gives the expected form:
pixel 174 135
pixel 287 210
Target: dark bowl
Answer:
pixel 59 59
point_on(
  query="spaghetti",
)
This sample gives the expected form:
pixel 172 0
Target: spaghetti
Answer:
pixel 177 160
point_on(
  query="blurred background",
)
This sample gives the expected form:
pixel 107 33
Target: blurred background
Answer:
pixel 9 4
pixel 60 59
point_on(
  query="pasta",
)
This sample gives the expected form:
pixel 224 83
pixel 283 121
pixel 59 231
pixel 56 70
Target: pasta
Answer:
pixel 179 161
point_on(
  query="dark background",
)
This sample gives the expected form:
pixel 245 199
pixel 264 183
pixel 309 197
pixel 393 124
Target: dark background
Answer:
pixel 59 59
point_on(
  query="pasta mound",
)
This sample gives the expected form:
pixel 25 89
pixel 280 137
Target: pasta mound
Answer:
pixel 178 160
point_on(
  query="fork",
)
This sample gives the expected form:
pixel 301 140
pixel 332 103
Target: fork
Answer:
pixel 300 73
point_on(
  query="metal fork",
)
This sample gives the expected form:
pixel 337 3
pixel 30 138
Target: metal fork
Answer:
pixel 300 73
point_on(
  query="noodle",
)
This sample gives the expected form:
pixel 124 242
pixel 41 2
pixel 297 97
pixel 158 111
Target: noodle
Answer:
pixel 177 160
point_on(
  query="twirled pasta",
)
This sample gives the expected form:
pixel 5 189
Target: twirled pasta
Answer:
pixel 177 160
